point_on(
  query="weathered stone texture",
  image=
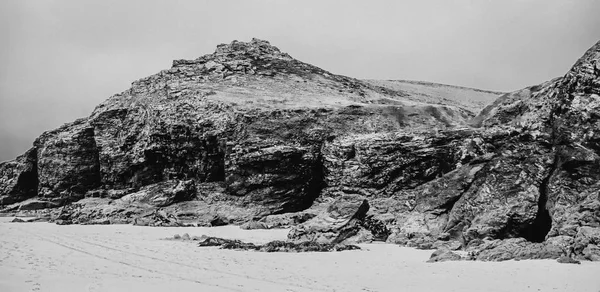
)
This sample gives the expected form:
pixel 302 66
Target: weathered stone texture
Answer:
pixel 249 134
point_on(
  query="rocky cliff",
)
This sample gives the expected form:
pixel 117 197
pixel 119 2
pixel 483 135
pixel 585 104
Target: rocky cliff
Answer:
pixel 250 134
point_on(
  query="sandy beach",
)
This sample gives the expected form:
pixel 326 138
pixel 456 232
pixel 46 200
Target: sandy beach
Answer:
pixel 48 257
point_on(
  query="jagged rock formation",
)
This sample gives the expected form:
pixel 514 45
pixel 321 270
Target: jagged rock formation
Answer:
pixel 18 178
pixel 340 221
pixel 443 255
pixel 250 134
pixel 276 246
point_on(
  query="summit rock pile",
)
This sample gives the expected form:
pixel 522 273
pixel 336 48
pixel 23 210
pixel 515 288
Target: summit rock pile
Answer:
pixel 249 133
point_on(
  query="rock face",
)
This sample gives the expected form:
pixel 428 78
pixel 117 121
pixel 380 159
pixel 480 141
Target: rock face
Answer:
pixel 67 162
pixel 162 194
pixel 520 249
pixel 443 255
pixel 250 134
pixel 284 178
pixel 18 178
pixel 276 246
pixel 341 220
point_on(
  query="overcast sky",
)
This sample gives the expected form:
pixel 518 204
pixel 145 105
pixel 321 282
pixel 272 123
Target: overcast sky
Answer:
pixel 61 58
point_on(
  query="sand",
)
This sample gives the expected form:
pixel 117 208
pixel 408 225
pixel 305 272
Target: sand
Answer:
pixel 48 257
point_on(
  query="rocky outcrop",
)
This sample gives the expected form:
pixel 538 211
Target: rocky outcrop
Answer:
pixel 162 194
pixel 587 243
pixel 282 178
pixel 520 249
pixel 443 255
pixel 67 162
pixel 287 219
pixel 18 178
pixel 168 203
pixel 559 120
pixel 276 246
pixel 502 201
pixel 341 220
pixel 249 134
pixel 385 164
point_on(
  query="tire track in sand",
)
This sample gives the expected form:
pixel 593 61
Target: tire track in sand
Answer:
pixel 211 269
pixel 96 255
pixel 122 254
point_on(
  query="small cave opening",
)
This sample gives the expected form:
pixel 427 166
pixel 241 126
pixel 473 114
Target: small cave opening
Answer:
pixel 214 158
pixel 537 231
pixel 312 189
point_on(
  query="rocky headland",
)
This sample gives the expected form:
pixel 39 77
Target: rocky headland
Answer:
pixel 249 135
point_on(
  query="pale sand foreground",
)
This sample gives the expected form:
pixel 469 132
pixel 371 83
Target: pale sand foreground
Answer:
pixel 48 257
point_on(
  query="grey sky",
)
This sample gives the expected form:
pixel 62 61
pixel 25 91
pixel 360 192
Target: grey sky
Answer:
pixel 61 58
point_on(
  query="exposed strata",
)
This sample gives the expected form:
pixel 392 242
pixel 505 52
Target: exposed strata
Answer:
pixel 248 133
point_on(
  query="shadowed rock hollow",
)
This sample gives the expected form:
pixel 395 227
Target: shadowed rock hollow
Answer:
pixel 250 134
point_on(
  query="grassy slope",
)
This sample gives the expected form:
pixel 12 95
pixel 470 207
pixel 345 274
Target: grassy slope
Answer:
pixel 471 99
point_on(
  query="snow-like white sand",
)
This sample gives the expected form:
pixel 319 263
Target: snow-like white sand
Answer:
pixel 48 257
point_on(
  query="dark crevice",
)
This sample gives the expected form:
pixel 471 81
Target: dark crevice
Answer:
pixel 537 231
pixel 317 181
pixel 311 192
pixel 27 181
pixel 448 205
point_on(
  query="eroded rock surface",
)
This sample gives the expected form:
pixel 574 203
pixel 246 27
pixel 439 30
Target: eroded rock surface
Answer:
pixel 249 134
pixel 443 255
pixel 276 246
pixel 18 178
pixel 341 220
